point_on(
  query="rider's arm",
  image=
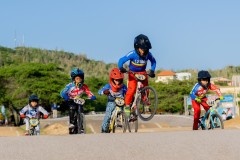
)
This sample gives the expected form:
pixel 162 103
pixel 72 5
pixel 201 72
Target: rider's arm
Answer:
pixel 194 91
pixel 152 60
pixel 215 89
pixel 88 92
pixel 106 87
pixel 124 59
pixel 23 111
pixel 43 111
pixel 64 92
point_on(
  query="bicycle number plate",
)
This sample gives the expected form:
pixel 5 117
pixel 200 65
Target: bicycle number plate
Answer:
pixel 79 101
pixel 33 122
pixel 119 101
pixel 140 76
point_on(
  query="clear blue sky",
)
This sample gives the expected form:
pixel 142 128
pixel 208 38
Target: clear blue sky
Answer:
pixel 185 34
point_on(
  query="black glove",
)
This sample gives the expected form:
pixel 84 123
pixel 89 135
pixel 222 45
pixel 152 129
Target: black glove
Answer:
pixel 123 70
pixel 151 74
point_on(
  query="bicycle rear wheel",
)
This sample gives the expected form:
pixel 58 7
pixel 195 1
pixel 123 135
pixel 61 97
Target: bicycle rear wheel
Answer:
pixel 216 122
pixel 147 103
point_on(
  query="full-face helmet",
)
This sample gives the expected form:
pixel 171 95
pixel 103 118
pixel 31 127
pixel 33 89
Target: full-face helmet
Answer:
pixel 142 41
pixel 115 74
pixel 204 75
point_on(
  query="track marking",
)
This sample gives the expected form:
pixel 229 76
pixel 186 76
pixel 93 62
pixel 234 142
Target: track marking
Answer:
pixel 17 133
pixel 91 127
pixel 159 126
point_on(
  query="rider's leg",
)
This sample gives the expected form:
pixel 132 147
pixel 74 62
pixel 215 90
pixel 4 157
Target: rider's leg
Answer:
pixel 132 85
pixel 197 111
pixel 37 128
pixel 72 110
pixel 109 109
pixel 145 95
pixel 27 126
pixel 204 104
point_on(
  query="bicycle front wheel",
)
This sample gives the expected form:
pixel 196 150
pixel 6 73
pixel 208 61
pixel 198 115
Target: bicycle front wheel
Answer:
pixel 147 103
pixel 120 123
pixel 216 122
pixel 81 123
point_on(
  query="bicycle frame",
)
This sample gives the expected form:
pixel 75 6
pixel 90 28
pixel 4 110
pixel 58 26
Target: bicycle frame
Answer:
pixel 116 111
pixel 207 120
pixel 33 123
pixel 80 118
pixel 137 95
pixel 117 115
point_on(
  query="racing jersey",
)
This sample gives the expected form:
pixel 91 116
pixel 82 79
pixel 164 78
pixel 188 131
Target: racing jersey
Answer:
pixel 199 91
pixel 137 63
pixel 71 91
pixel 121 93
pixel 33 112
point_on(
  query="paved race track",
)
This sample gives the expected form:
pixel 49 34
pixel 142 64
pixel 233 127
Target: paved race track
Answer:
pixel 164 137
pixel 168 145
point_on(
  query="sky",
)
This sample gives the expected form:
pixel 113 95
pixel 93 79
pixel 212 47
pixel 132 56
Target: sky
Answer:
pixel 185 34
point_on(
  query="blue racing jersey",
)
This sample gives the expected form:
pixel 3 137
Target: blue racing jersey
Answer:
pixel 137 63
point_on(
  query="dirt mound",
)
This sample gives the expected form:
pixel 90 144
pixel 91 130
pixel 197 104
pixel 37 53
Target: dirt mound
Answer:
pixel 232 123
pixel 56 129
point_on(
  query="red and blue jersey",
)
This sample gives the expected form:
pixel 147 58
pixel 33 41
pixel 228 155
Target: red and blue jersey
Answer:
pixel 137 63
pixel 199 91
pixel 71 91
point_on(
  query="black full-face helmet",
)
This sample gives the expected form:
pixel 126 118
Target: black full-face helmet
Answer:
pixel 204 75
pixel 33 98
pixel 142 41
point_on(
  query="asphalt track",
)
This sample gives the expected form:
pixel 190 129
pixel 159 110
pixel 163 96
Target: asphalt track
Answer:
pixel 167 145
pixel 166 137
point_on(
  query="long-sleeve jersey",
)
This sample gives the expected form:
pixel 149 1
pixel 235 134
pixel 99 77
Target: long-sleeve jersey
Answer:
pixel 199 91
pixel 33 112
pixel 121 93
pixel 137 63
pixel 71 91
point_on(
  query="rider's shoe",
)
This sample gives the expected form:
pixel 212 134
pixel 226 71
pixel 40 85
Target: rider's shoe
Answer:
pixel 82 131
pixel 27 133
pixel 103 131
pixel 132 119
pixel 71 126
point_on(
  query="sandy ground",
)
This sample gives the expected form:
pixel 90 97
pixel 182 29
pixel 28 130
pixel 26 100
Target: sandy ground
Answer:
pixel 232 123
pixel 11 131
pixel 60 128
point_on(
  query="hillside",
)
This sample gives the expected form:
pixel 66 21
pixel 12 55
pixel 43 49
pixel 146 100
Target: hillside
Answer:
pixel 64 60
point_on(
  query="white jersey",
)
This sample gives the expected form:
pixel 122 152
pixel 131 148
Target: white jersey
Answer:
pixel 33 112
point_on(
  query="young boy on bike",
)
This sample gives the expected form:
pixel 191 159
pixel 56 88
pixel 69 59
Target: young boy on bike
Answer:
pixel 73 89
pixel 138 62
pixel 115 88
pixel 32 110
pixel 198 95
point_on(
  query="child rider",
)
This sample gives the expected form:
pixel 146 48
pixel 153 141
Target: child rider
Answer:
pixel 115 88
